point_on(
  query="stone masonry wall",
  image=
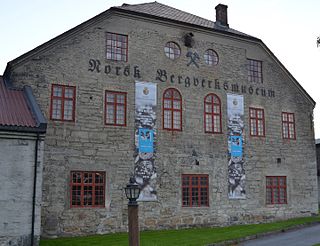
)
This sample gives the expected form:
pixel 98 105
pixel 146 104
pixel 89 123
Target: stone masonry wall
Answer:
pixel 17 171
pixel 88 145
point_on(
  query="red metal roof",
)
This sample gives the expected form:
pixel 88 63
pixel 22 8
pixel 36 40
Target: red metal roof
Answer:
pixel 14 110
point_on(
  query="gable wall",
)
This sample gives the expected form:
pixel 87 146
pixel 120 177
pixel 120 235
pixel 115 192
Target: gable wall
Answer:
pixel 88 145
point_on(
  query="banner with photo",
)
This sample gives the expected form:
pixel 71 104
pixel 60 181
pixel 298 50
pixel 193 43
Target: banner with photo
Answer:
pixel 145 173
pixel 236 172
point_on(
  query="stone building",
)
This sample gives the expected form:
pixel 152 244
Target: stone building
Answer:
pixel 318 166
pixel 22 128
pixel 211 125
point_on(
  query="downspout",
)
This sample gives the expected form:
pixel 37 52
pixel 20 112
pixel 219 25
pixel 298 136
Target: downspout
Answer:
pixel 34 188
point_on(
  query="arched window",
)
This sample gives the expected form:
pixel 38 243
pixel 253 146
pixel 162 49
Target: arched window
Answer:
pixel 172 110
pixel 211 57
pixel 172 50
pixel 212 114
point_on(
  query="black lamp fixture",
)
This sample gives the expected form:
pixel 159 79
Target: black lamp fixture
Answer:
pixel 132 191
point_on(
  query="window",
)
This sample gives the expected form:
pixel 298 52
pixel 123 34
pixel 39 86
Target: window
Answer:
pixel 195 190
pixel 172 50
pixel 172 110
pixel 276 190
pixel 63 100
pixel 257 122
pixel 288 126
pixel 254 71
pixel 115 108
pixel 212 114
pixel 87 189
pixel 117 47
pixel 211 57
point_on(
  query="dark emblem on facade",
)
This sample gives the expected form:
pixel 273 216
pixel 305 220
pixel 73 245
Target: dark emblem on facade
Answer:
pixel 194 57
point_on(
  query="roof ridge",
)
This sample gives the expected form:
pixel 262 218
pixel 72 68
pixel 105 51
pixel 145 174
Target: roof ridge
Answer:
pixel 164 5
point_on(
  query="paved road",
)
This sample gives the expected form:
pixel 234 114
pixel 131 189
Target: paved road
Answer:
pixel 302 237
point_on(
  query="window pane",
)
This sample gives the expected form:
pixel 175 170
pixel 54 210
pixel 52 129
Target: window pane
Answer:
pixel 57 91
pixel 56 109
pixel 68 93
pixel 68 110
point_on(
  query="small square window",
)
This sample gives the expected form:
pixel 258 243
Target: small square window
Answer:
pixel 195 190
pixel 87 189
pixel 276 190
pixel 116 47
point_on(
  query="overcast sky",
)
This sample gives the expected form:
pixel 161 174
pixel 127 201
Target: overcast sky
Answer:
pixel 288 27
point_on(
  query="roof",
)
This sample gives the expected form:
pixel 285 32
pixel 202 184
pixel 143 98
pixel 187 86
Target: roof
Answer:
pixel 167 12
pixel 16 112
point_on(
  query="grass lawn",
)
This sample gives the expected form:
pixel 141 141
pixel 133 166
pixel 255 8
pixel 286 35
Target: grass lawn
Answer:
pixel 185 237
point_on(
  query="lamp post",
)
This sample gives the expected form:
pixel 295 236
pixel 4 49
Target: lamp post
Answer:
pixel 132 191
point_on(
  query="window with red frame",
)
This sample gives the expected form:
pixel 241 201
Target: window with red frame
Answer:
pixel 257 127
pixel 117 47
pixel 172 110
pixel 276 190
pixel 195 190
pixel 212 114
pixel 87 189
pixel 254 71
pixel 63 100
pixel 288 126
pixel 115 108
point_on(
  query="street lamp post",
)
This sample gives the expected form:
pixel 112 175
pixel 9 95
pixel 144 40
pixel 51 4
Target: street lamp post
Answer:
pixel 132 191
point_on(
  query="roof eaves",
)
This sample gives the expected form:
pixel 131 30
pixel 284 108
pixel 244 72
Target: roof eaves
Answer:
pixel 34 107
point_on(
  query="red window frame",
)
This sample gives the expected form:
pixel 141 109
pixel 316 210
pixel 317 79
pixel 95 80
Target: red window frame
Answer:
pixel 172 50
pixel 212 104
pixel 254 71
pixel 63 98
pixel 87 189
pixel 116 47
pixel 171 106
pixel 276 190
pixel 288 126
pixel 116 104
pixel 256 117
pixel 195 190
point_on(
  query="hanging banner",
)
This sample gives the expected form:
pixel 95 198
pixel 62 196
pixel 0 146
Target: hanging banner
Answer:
pixel 236 172
pixel 145 124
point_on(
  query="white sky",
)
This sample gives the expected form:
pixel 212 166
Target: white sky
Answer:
pixel 288 27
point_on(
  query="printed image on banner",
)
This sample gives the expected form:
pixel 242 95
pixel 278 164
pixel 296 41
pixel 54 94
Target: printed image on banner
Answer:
pixel 236 172
pixel 145 134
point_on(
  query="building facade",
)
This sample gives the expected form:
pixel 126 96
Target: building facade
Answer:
pixel 207 120
pixel 318 166
pixel 22 129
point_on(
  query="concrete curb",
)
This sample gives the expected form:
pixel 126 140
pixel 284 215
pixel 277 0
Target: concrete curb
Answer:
pixel 260 235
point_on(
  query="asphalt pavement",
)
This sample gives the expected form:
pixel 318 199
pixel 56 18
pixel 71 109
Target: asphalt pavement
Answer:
pixel 307 236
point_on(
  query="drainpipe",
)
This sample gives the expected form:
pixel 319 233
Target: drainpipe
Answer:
pixel 34 188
